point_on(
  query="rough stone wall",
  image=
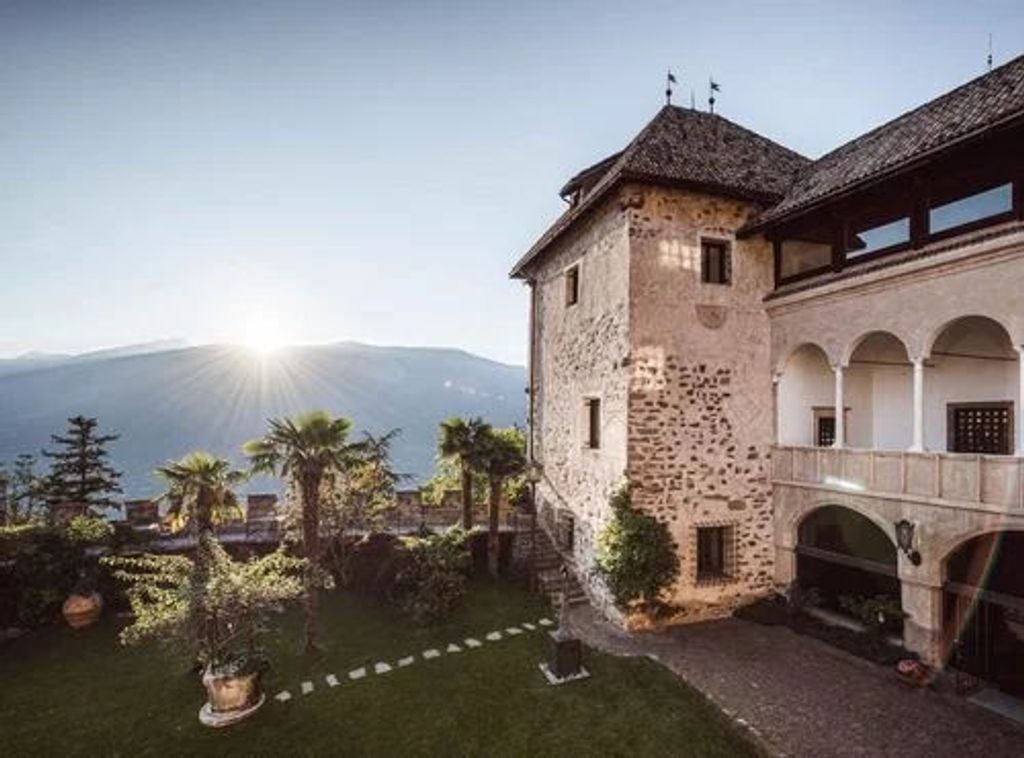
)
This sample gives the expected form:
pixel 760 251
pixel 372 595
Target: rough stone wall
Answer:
pixel 700 401
pixel 580 353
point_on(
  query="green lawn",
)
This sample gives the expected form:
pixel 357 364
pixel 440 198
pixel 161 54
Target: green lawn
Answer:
pixel 79 693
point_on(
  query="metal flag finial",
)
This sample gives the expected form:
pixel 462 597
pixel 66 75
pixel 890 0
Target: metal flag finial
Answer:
pixel 989 59
pixel 670 79
pixel 713 87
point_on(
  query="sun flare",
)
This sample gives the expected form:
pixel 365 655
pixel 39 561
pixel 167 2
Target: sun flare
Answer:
pixel 262 334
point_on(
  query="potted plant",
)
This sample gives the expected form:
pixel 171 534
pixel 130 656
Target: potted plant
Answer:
pixel 214 608
pixel 84 605
pixel 212 604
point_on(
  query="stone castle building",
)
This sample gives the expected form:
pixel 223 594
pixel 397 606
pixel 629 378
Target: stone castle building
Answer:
pixel 810 371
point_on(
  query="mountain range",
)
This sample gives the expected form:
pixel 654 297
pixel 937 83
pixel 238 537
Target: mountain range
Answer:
pixel 166 399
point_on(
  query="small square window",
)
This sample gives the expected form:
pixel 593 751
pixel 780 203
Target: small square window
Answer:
pixel 593 408
pixel 715 262
pixel 572 285
pixel 715 551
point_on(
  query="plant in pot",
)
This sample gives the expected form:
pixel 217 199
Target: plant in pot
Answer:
pixel 85 535
pixel 212 605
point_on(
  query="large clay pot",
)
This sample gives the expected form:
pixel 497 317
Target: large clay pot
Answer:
pixel 81 611
pixel 231 698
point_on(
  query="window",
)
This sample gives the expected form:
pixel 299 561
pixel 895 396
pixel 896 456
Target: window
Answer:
pixel 966 210
pixel 715 262
pixel 871 238
pixel 593 408
pixel 980 428
pixel 572 285
pixel 714 553
pixel 825 425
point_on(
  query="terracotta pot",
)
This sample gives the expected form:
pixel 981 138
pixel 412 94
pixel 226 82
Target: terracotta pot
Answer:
pixel 229 694
pixel 81 611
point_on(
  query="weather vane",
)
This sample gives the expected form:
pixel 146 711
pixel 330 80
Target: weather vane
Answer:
pixel 713 87
pixel 989 59
pixel 670 79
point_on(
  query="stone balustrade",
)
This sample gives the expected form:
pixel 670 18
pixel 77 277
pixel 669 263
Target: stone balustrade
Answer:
pixel 983 482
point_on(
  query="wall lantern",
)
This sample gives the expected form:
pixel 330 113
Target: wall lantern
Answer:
pixel 905 541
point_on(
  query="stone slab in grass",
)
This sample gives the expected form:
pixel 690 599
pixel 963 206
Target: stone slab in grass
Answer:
pixel 514 630
pixel 432 653
pixel 358 673
pixel 493 636
pixel 470 642
pixel 453 648
pixel 529 626
pixel 407 661
pixel 332 680
pixel 381 668
pixel 545 622
pixel 283 696
pixel 307 687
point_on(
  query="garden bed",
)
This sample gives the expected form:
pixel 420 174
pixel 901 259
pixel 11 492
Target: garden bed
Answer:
pixel 774 611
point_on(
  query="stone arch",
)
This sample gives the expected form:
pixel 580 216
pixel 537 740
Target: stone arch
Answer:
pixel 946 548
pixel 796 517
pixel 929 340
pixel 855 343
pixel 786 355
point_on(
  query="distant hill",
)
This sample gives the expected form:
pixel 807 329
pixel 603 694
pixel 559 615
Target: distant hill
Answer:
pixel 166 402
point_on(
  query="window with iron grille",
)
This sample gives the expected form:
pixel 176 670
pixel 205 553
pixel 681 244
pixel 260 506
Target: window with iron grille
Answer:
pixel 980 428
pixel 715 553
pixel 715 262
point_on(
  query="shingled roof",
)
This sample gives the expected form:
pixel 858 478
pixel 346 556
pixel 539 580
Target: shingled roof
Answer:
pixel 684 147
pixel 991 100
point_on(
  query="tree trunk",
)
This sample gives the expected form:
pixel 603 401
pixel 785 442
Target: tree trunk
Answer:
pixel 493 540
pixel 311 549
pixel 467 496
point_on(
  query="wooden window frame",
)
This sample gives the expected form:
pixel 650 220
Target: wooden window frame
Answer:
pixel 572 285
pixel 592 420
pixel 726 266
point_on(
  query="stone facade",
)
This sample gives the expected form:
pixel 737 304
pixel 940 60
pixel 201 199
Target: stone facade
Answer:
pixel 683 375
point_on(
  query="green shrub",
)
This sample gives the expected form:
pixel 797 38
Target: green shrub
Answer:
pixel 431 580
pixel 39 568
pixel 636 555
pixel 880 613
pixel 371 564
pixel 89 530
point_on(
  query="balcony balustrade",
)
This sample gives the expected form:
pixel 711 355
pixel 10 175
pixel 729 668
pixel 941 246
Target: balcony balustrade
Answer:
pixel 984 482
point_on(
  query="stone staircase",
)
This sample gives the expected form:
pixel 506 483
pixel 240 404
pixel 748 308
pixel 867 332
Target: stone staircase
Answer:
pixel 548 573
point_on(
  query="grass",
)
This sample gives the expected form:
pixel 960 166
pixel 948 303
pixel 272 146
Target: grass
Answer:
pixel 79 693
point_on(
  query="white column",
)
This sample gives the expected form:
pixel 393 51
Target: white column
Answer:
pixel 918 444
pixel 840 408
pixel 1019 410
pixel 777 407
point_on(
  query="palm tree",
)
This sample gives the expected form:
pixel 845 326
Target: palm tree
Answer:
pixel 462 441
pixel 504 457
pixel 306 449
pixel 200 491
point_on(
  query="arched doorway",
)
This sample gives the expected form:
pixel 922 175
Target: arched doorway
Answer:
pixel 983 609
pixel 880 394
pixel 842 555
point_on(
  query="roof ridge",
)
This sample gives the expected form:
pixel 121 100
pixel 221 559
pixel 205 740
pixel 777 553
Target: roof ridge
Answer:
pixel 921 106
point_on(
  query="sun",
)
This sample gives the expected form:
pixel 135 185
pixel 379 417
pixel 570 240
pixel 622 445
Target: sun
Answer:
pixel 262 334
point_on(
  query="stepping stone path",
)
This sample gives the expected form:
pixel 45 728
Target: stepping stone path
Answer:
pixel 383 668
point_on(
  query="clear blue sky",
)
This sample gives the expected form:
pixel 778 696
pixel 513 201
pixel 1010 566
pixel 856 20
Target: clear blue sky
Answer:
pixel 328 170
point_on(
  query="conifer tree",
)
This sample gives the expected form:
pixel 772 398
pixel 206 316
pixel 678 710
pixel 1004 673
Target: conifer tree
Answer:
pixel 79 472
